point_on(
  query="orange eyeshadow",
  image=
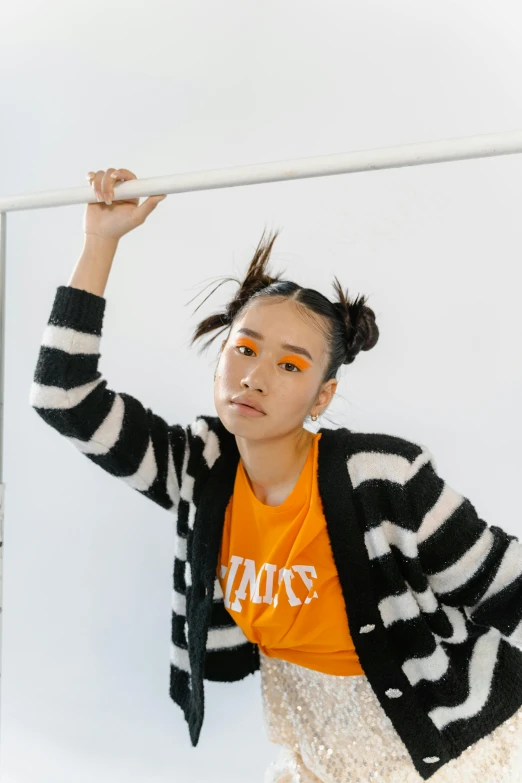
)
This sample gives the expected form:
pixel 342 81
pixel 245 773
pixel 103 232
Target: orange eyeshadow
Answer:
pixel 247 342
pixel 297 360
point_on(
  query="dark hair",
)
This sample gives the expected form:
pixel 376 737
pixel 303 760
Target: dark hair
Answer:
pixel 348 327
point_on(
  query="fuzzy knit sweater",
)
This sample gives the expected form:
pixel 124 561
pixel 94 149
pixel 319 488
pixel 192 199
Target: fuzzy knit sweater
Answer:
pixel 433 594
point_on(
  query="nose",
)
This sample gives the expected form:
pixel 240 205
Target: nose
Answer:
pixel 254 378
pixel 252 381
pixel 247 385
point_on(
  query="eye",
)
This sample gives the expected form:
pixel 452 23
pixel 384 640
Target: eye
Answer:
pixel 243 346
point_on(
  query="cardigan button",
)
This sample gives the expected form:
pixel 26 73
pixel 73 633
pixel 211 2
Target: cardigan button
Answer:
pixel 431 759
pixel 393 693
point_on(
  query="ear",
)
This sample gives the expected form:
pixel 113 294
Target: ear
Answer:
pixel 327 392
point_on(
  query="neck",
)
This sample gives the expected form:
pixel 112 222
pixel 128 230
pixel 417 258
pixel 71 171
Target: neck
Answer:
pixel 275 462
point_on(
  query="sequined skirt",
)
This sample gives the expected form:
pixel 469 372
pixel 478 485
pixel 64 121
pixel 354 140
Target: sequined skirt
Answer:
pixel 333 729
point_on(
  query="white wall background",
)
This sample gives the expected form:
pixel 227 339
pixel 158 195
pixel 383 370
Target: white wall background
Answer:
pixel 177 86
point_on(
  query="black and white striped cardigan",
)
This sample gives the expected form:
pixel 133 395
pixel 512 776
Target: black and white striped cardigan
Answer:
pixel 433 595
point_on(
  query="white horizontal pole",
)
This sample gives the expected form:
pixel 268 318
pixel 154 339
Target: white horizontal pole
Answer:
pixel 482 146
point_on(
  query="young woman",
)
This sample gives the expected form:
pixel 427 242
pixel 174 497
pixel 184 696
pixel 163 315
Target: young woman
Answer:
pixel 384 615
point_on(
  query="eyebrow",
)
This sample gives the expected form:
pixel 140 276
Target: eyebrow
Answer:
pixel 288 346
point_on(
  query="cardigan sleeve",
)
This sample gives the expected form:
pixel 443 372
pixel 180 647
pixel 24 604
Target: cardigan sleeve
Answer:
pixel 112 429
pixel 468 563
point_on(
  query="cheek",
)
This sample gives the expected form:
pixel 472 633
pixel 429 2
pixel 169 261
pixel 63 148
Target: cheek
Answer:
pixel 297 400
pixel 226 375
pixel 293 397
pixel 230 366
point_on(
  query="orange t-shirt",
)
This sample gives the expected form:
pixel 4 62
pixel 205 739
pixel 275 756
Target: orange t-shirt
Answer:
pixel 278 577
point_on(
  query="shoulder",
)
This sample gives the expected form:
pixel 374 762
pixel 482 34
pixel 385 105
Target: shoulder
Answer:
pixel 379 455
pixel 209 438
pixel 209 427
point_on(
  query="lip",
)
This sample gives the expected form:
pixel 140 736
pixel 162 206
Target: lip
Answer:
pixel 245 409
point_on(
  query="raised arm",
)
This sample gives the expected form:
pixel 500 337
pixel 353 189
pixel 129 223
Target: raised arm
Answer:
pixel 113 429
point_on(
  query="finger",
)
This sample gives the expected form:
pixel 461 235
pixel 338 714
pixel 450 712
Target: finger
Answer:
pixel 123 174
pixel 120 174
pixel 107 186
pixel 96 184
pixel 90 177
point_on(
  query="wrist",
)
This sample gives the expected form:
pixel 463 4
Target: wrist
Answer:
pixel 97 241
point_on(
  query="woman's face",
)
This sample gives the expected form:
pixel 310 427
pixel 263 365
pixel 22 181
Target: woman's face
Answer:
pixel 281 380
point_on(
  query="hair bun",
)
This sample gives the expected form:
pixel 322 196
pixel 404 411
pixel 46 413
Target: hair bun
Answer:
pixel 361 331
